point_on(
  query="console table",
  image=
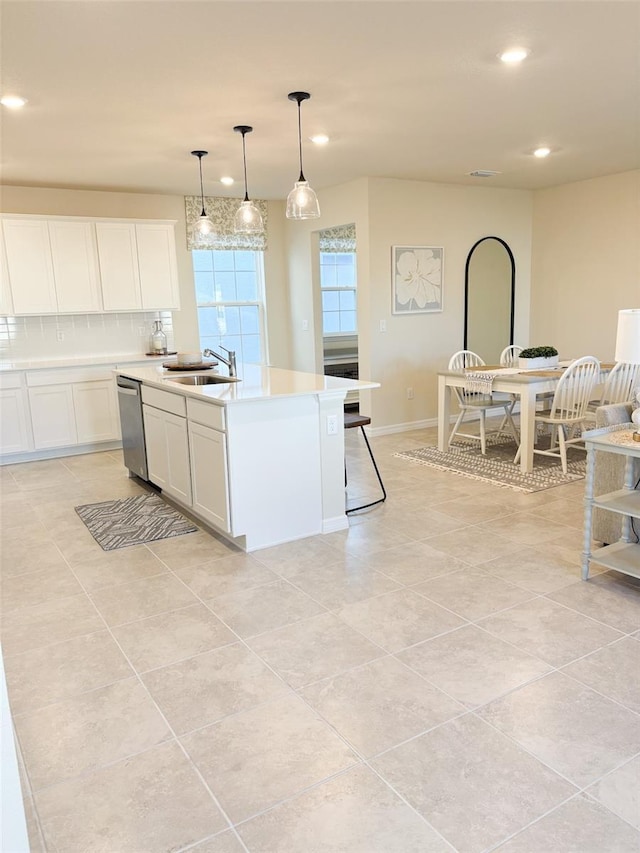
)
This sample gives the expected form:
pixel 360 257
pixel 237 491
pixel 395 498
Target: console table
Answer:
pixel 624 555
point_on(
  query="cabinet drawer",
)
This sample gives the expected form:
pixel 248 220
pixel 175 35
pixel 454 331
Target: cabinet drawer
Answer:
pixel 38 378
pixel 174 403
pixel 207 414
pixel 10 380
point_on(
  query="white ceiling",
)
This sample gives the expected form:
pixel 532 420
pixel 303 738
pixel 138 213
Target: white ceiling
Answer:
pixel 119 92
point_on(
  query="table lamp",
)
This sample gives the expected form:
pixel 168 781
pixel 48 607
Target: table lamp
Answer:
pixel 628 351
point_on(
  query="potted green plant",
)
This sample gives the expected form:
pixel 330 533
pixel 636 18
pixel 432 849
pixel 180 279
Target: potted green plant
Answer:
pixel 535 358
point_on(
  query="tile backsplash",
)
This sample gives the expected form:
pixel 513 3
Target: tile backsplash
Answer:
pixel 70 335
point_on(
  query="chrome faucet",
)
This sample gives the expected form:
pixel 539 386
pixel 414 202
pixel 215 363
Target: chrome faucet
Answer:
pixel 230 362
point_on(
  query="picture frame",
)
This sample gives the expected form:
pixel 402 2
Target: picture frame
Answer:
pixel 417 279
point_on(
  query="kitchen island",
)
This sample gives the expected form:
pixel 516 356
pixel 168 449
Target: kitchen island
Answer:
pixel 260 459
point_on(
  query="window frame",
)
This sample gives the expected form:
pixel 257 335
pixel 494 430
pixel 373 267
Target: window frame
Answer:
pixel 259 303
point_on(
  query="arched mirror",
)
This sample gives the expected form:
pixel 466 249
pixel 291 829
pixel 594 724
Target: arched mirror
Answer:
pixel 489 291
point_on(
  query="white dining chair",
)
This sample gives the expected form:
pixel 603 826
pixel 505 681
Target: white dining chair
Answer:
pixel 618 387
pixel 509 356
pixel 474 401
pixel 569 407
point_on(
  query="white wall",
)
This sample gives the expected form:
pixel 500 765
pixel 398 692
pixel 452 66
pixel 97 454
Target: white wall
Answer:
pixel 586 263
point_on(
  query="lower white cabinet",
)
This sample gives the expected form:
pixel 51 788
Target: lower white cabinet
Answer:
pixel 209 474
pixel 167 444
pixel 72 407
pixel 52 416
pixel 96 410
pixel 14 420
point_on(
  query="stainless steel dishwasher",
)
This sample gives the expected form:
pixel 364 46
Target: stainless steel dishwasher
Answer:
pixel 132 424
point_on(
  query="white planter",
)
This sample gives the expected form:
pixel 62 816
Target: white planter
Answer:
pixel 537 363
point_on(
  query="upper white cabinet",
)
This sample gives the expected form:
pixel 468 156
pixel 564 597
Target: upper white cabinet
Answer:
pixel 73 265
pixel 118 257
pixel 30 266
pixel 6 300
pixel 75 268
pixel 157 265
pixel 137 266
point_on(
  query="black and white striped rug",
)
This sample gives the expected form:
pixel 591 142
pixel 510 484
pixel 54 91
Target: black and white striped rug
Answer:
pixel 133 521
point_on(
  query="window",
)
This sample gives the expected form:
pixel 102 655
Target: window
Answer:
pixel 229 296
pixel 338 286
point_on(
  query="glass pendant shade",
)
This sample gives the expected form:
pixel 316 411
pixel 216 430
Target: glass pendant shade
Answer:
pixel 203 228
pixel 203 225
pixel 248 219
pixel 302 202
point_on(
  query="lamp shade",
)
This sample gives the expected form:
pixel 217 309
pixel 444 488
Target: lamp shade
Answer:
pixel 628 337
pixel 302 202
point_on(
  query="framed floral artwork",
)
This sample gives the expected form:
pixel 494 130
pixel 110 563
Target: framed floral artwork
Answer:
pixel 416 279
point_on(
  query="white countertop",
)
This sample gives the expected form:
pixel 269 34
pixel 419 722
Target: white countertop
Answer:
pixel 82 361
pixel 255 383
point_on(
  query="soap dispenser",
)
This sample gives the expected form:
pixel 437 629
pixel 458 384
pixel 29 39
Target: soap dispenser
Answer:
pixel 158 340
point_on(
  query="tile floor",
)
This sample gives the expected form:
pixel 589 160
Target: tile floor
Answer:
pixel 437 678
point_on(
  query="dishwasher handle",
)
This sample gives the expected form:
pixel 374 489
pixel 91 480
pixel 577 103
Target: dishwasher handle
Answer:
pixel 130 392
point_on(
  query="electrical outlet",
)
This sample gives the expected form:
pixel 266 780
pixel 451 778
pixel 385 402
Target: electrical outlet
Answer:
pixel 332 424
pixel 409 393
pixel 383 325
pixel 59 336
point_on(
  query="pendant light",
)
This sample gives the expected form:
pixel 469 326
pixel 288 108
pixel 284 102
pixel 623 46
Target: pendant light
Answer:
pixel 302 202
pixel 248 219
pixel 203 228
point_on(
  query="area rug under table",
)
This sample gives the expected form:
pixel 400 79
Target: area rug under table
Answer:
pixel 133 521
pixel 497 467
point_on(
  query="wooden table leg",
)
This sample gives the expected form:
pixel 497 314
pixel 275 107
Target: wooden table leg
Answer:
pixel 527 427
pixel 444 407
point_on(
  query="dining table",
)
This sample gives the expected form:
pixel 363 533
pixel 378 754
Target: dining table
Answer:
pixel 527 385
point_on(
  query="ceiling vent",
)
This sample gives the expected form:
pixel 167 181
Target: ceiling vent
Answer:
pixel 483 173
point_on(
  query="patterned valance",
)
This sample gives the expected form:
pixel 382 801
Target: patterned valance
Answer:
pixel 222 212
pixel 342 238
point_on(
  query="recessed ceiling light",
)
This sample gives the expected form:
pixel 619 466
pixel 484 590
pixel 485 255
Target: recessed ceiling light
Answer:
pixel 542 152
pixel 14 102
pixel 320 139
pixel 226 181
pixel 514 55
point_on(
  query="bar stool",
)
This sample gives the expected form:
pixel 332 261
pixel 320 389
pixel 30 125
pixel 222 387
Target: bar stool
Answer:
pixel 353 420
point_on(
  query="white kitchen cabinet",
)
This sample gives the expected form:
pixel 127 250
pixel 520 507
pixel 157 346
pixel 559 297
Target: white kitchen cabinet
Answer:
pixel 75 266
pixel 155 441
pixel 52 416
pixel 118 260
pixel 30 266
pixel 209 479
pixel 157 265
pixel 6 301
pixel 96 411
pixel 167 444
pixel 15 430
pixel 138 266
pixel 179 474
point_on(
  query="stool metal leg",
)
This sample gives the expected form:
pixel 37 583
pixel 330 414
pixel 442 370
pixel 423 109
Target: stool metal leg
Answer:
pixel 384 493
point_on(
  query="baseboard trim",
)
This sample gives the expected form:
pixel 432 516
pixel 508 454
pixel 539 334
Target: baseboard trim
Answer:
pixel 409 426
pixel 58 452
pixel 339 522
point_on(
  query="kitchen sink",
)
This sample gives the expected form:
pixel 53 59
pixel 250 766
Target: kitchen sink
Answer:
pixel 201 379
